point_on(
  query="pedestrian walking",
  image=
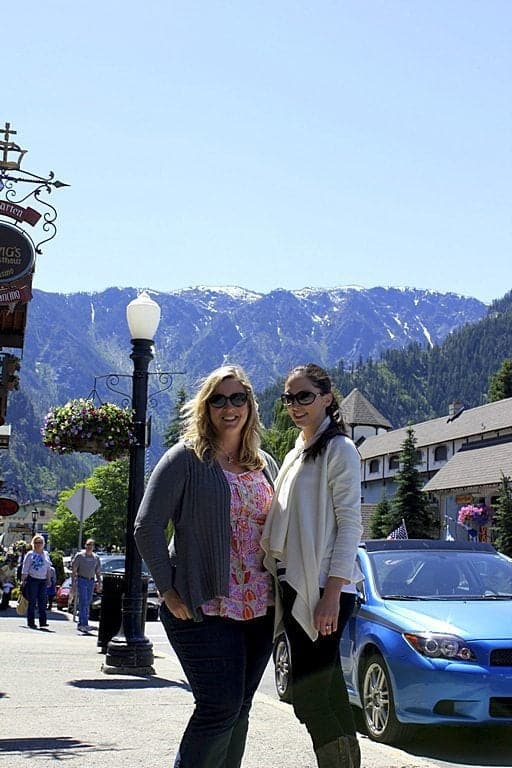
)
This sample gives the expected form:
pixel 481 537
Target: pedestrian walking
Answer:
pixel 311 537
pixel 35 577
pixel 86 577
pixel 215 486
pixel 51 590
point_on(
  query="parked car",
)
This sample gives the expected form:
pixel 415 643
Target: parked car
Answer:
pixel 430 641
pixel 63 593
pixel 109 564
pixel 116 564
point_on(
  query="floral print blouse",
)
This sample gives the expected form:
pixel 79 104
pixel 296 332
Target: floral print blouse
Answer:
pixel 250 585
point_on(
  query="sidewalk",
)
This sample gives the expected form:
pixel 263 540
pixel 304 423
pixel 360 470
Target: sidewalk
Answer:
pixel 57 705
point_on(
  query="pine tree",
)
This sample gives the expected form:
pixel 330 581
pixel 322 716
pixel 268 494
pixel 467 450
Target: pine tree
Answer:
pixel 409 502
pixel 500 384
pixel 379 521
pixel 173 431
pixel 503 518
pixel 281 436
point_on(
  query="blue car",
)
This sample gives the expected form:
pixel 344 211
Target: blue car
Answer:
pixel 430 641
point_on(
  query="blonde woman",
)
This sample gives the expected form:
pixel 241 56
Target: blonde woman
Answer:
pixel 35 578
pixel 216 487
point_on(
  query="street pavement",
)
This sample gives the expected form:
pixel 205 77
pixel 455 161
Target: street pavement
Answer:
pixel 57 705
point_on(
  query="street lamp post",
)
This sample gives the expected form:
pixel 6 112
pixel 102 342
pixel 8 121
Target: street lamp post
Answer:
pixel 35 515
pixel 130 652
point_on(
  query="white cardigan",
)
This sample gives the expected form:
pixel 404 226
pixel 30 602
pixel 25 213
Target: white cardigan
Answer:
pixel 314 524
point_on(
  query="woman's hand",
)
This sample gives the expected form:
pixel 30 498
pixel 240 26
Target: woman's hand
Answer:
pixel 328 607
pixel 176 605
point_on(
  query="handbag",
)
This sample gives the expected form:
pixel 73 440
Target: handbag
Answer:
pixel 22 606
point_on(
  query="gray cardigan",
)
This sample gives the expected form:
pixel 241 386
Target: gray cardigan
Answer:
pixel 195 496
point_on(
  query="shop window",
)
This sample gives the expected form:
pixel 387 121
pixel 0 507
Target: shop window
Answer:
pixel 394 461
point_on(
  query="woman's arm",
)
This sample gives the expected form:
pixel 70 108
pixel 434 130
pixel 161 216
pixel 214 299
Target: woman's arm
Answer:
pixel 160 505
pixel 344 479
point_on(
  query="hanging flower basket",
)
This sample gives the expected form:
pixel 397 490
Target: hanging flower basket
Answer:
pixel 473 515
pixel 80 425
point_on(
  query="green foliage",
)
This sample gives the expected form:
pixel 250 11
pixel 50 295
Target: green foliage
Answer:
pixel 503 518
pixel 281 436
pixel 409 502
pixel 58 564
pixel 379 521
pixel 174 430
pixel 109 484
pixel 500 385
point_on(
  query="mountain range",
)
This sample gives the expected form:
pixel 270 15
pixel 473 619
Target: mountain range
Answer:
pixel 73 341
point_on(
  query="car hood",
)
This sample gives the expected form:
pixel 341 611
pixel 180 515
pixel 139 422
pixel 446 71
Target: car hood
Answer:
pixel 471 619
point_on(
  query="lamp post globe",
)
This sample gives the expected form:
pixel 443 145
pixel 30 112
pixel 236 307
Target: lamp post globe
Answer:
pixel 130 652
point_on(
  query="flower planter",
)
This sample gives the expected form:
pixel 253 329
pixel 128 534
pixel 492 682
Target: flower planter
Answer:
pixel 80 426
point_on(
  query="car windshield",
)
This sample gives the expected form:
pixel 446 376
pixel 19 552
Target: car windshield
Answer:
pixel 111 563
pixel 442 575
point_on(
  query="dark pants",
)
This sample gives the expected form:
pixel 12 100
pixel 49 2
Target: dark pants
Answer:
pixel 36 595
pixel 224 661
pixel 320 698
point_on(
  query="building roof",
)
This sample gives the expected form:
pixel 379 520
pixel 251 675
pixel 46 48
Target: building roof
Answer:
pixel 473 467
pixel 489 418
pixel 357 410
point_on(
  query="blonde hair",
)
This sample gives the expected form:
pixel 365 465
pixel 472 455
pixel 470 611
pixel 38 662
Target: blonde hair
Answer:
pixel 199 433
pixel 35 538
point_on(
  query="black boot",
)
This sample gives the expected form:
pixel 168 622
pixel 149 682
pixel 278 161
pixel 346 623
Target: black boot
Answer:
pixel 355 752
pixel 335 754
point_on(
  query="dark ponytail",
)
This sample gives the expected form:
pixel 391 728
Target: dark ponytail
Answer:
pixel 319 378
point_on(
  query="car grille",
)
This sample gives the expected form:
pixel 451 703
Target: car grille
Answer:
pixel 500 707
pixel 501 657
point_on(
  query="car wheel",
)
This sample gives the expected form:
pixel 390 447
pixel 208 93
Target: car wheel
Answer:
pixel 283 669
pixel 378 703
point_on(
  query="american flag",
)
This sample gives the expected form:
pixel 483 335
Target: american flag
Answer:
pixel 400 532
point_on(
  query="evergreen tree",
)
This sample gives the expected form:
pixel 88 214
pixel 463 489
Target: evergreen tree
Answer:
pixel 379 521
pixel 174 430
pixel 503 518
pixel 500 384
pixel 281 436
pixel 409 502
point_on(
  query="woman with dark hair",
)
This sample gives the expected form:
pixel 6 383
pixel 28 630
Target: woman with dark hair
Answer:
pixel 216 487
pixel 310 538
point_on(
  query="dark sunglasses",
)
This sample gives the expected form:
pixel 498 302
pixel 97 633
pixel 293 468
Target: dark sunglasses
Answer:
pixel 301 398
pixel 237 399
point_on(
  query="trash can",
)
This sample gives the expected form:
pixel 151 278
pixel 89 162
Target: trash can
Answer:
pixel 111 605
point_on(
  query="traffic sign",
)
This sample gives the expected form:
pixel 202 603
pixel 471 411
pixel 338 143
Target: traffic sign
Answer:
pixel 82 503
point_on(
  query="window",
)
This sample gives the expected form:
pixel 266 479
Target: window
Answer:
pixel 374 466
pixel 440 453
pixel 419 457
pixel 394 461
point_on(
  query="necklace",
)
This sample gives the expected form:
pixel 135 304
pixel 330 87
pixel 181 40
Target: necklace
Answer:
pixel 230 458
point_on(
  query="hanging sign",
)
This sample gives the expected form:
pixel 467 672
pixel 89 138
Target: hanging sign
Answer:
pixel 19 213
pixel 8 507
pixel 17 254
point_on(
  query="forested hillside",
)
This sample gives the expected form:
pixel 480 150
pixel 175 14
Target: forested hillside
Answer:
pixel 418 383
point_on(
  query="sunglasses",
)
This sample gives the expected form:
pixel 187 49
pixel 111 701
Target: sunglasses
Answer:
pixel 220 401
pixel 301 398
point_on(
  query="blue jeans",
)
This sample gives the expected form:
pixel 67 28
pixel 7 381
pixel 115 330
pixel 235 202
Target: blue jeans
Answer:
pixel 85 589
pixel 36 595
pixel 224 661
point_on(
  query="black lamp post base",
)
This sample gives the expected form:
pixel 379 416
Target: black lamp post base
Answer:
pixel 128 658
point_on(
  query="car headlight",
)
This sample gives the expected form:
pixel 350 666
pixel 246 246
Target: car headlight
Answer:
pixel 437 646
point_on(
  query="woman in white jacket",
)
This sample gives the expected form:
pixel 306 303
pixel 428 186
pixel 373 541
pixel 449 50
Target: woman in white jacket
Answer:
pixel 310 539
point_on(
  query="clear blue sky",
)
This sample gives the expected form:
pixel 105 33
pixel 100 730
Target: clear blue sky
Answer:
pixel 269 143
